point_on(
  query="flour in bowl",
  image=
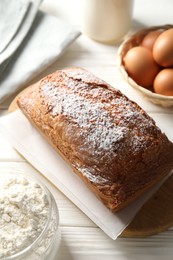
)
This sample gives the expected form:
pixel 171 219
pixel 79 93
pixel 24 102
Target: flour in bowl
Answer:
pixel 24 211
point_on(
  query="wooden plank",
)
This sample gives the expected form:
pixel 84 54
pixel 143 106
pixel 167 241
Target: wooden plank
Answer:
pixel 92 243
pixel 7 152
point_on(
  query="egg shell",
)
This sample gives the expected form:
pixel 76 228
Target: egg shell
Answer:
pixel 163 83
pixel 163 49
pixel 140 66
pixel 150 38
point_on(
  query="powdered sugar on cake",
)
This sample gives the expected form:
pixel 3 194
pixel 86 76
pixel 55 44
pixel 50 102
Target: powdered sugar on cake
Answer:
pixel 107 133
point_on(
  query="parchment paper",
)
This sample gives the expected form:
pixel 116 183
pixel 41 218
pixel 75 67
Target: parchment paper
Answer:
pixel 30 143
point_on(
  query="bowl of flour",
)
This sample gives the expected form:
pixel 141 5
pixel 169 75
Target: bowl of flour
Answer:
pixel 29 219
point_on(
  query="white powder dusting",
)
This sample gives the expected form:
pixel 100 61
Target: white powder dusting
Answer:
pixel 24 210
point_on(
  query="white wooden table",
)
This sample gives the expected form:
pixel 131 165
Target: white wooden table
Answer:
pixel 81 238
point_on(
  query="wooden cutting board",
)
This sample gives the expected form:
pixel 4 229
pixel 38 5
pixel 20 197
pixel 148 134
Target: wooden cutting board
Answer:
pixel 157 213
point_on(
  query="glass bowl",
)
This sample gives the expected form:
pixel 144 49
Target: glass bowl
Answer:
pixel 45 246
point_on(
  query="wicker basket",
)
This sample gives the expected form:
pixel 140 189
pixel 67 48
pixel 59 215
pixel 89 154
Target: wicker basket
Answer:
pixel 135 40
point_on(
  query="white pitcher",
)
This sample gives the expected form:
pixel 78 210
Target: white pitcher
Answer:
pixel 107 20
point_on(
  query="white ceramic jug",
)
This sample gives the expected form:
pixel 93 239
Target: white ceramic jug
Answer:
pixel 107 20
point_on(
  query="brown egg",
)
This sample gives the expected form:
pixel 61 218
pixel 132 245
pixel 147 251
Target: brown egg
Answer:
pixel 149 40
pixel 163 83
pixel 140 66
pixel 163 49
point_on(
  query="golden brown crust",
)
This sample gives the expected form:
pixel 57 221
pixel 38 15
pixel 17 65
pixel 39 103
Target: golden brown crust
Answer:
pixel 108 140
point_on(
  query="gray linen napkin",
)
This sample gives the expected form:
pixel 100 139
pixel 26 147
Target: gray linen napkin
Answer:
pixel 17 17
pixel 9 27
pixel 44 43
